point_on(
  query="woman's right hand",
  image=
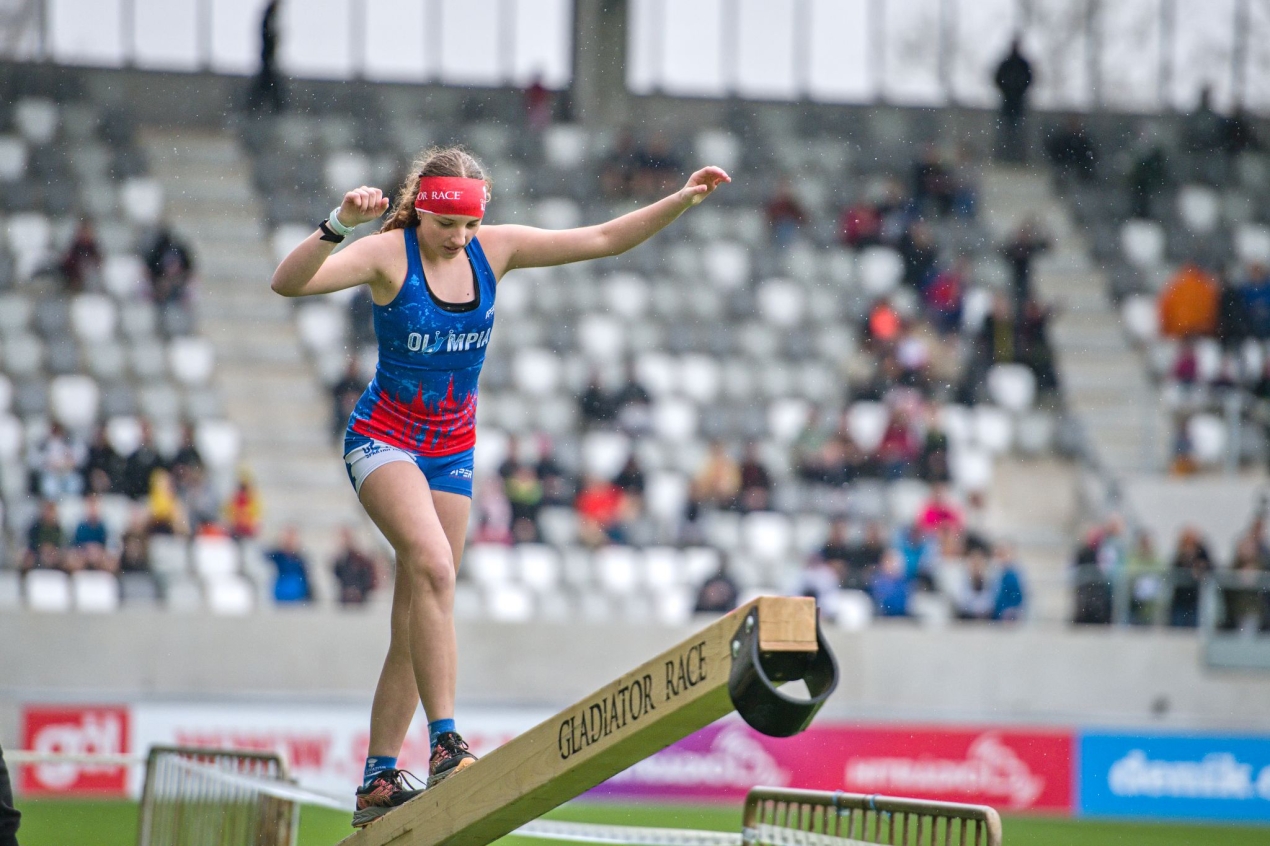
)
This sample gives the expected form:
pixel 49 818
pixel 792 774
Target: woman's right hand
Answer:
pixel 362 205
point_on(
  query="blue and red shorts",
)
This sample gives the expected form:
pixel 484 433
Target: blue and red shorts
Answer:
pixel 449 473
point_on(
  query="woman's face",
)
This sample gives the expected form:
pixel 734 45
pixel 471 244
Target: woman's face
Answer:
pixel 446 234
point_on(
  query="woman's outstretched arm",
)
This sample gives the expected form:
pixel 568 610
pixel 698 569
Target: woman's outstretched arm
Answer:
pixel 527 246
pixel 311 269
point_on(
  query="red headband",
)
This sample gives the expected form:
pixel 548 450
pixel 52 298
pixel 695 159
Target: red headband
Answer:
pixel 452 195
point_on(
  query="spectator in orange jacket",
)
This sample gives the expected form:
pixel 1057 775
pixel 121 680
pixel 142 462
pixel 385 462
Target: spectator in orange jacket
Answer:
pixel 1188 304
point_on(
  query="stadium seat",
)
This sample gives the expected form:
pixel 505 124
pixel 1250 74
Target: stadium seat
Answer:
pixel 719 147
pixel 604 453
pixel 95 592
pixel 994 429
pixel 557 213
pixel 489 564
pixel 229 594
pixel 345 170
pixel 10 590
pixel 905 500
pixel 601 338
pixel 657 372
pixel 1199 208
pixel 1034 433
pixel 1143 243
pixel 1208 435
pixel 215 557
pixel 726 264
pixel 787 417
pixel 169 555
pixel 23 354
pixel 124 277
pixel 321 325
pixel 781 303
pixel 662 567
pixel 1252 243
pixel 468 604
pixel 538 567
pixel 93 318
pixel 565 146
pixel 181 594
pixel 142 201
pixel 699 378
pixel 11 438
pixel 1012 386
pixel 721 529
pixel 108 361
pixel 192 360
pixel 851 610
pixel 160 402
pixel 674 419
pixel 867 422
pixel 6 394
pixel 147 359
pixel 1141 317
pixel 666 496
pixel 971 468
pixel 287 238
pixel 510 604
pixel 12 158
pixel 36 119
pixel 932 610
pixel 48 591
pixel 881 270
pixel 617 569
pixel 673 605
pixel 537 372
pixel 123 433
pixel 558 525
pixel 957 422
pixel 627 295
pixel 74 401
pixel 15 314
pixel 767 535
pixel 1208 359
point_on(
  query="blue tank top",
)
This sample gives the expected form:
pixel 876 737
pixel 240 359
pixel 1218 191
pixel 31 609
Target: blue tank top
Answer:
pixel 423 396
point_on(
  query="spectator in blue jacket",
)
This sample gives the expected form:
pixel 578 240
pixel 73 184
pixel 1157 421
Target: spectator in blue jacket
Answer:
pixel 292 584
pixel 889 588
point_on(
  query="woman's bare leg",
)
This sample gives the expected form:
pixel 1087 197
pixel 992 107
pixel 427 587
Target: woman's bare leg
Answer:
pixel 427 530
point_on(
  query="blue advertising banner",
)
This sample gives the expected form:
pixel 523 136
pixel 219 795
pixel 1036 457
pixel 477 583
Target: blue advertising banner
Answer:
pixel 1174 776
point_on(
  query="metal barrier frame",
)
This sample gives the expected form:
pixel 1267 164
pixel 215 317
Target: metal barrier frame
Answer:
pixel 857 817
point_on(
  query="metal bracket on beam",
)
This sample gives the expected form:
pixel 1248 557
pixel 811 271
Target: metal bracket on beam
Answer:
pixel 756 674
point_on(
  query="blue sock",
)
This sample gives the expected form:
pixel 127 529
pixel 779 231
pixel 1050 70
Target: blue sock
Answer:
pixel 438 727
pixel 375 765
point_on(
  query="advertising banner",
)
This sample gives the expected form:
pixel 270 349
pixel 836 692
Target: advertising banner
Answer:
pixel 1014 770
pixel 1175 776
pixel 75 731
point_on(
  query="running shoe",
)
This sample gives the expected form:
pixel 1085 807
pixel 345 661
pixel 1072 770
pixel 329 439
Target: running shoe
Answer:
pixel 450 755
pixel 386 791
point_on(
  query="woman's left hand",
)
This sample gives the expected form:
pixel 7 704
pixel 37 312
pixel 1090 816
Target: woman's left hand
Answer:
pixel 702 184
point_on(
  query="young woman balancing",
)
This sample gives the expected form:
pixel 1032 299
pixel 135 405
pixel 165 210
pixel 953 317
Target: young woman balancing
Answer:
pixel 408 447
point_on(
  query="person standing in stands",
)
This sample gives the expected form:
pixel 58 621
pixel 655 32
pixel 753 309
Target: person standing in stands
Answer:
pixel 1013 79
pixel 409 445
pixel 266 87
pixel 10 817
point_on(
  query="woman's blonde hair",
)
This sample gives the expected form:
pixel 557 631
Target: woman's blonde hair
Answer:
pixel 434 161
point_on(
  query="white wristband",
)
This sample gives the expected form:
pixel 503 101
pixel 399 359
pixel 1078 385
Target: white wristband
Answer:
pixel 338 228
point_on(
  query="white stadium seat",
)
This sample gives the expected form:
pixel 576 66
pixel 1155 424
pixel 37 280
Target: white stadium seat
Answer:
pixel 489 564
pixel 767 535
pixel 215 557
pixel 74 401
pixel 627 294
pixel 1141 317
pixel 719 147
pixel 321 325
pixel 94 318
pixel 192 360
pixel 617 569
pixel 95 591
pixel 699 378
pixel 781 303
pixel 1252 243
pixel 230 595
pixel 142 201
pixel 1012 386
pixel 564 146
pixel 12 158
pixel 510 604
pixel 37 119
pixel 124 276
pixel 726 264
pixel 538 567
pixel 867 422
pixel 346 170
pixel 557 213
pixel 604 453
pixel 601 337
pixel 787 417
pixel 674 419
pixel 1200 208
pixel 1207 434
pixel 537 371
pixel 994 430
pixel 48 590
pixel 1143 243
pixel 881 270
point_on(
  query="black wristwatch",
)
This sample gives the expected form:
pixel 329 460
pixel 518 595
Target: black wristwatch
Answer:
pixel 329 234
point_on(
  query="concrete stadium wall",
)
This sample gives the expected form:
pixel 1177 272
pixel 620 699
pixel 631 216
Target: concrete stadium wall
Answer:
pixel 973 674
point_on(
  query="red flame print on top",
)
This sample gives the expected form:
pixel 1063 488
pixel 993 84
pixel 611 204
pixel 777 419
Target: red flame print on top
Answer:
pixel 445 427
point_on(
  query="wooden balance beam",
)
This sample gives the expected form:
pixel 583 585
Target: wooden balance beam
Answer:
pixel 735 663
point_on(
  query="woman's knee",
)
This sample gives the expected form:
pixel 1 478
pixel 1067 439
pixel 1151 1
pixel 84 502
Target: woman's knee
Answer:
pixel 429 567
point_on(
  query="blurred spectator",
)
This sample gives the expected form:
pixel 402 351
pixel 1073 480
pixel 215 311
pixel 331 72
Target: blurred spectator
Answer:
pixel 266 87
pixel 1011 596
pixel 600 506
pixel 1256 296
pixel 718 594
pixel 140 466
pixel 167 514
pixel 103 469
pixel 540 104
pixel 943 295
pixel 785 215
pixel 998 336
pixel 1185 370
pixel 134 547
pixel 933 187
pixel 57 464
pixel 977 597
pixel 618 168
pixel 918 552
pixel 344 396
pixel 807 446
pixel 1240 135
pixel 888 587
pixel 1233 319
pixel 1191 563
pixel 633 403
pixel 756 482
pixel 491 512
pixel 657 168
pixel 361 319
pixel 1247 601
pixel 242 512
pixel 187 458
pixel 90 548
pixel 45 540
pixel 1188 303
pixel 631 478
pixel 939 512
pixel 819 579
pixel 595 404
pixel 934 458
pixel 718 481
pixel 1028 241
pixel 1072 150
pixel 920 252
pixel 1145 571
pixel 1034 348
pixel 1013 78
pixel 883 325
pixel 292 583
pixel 355 571
pixel 81 263
pixel 170 266
pixel 1203 130
pixel 860 225
pixel 1148 176
pixel 899 449
pixel 524 496
pixel 199 498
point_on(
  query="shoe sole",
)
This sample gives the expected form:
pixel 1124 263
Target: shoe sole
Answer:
pixel 366 816
pixel 440 777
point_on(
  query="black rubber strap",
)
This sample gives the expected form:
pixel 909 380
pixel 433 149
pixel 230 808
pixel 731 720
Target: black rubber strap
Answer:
pixel 329 234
